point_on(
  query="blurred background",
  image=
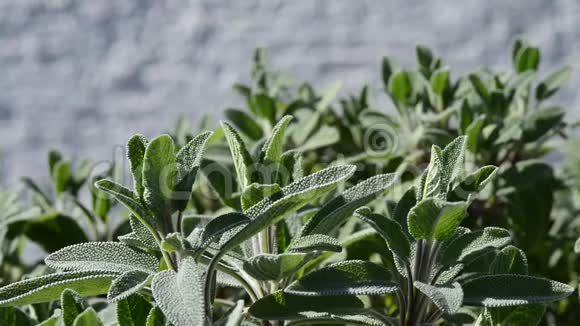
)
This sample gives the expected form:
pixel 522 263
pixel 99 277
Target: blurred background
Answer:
pixel 83 76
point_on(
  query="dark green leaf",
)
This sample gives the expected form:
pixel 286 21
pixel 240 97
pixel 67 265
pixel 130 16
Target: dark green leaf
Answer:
pixel 434 219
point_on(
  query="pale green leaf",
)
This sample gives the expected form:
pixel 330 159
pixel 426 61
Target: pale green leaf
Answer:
pixel 552 83
pixel 125 197
pixel 389 230
pixel 269 267
pixel 128 284
pixel 323 137
pixel 243 161
pixel 256 192
pixel 102 256
pixel 434 219
pixel 48 288
pixel 512 290
pixel 216 228
pixel 473 183
pixel 159 171
pixel 88 318
pixel 363 318
pixel 434 185
pixel 136 153
pixel 452 159
pixel 448 298
pixel 244 123
pixel 273 147
pixel 142 233
pixel 312 242
pixel 354 277
pixel 400 86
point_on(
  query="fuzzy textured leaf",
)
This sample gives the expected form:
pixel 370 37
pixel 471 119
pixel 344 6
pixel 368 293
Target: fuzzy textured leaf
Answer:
pixel 318 242
pixel 159 172
pixel 448 297
pixel 434 219
pixel 268 267
pixel 467 247
pixel 389 230
pixel 127 284
pixel 136 153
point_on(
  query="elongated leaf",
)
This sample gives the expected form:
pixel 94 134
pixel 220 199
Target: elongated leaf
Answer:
pixel 322 137
pixel 244 123
pixel 181 295
pixel 291 198
pixel 453 156
pixel 510 260
pixel 234 316
pixel 256 192
pixel 72 305
pixel 155 317
pixel 145 237
pixel 434 185
pixel 355 277
pixel 188 161
pixel 136 153
pixel 88 317
pixel 286 306
pixel 364 318
pixel 400 86
pixel 318 242
pixel 48 288
pixel 159 172
pixel 54 230
pixel 480 88
pixel 541 122
pixel 435 219
pixel 512 290
pixel 102 256
pixel 552 83
pixel 269 267
pixel 467 247
pixel 133 311
pixel 527 58
pixel 448 298
pixel 128 284
pixel 273 147
pixel 125 197
pixel 216 228
pixel 473 183
pixel 61 176
pixel 331 215
pixel 405 204
pixel 577 246
pixel 389 230
pixel 243 161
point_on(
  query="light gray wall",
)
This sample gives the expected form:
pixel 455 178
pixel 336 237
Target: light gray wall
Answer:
pixel 82 76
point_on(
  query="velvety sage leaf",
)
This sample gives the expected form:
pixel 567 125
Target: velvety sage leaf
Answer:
pixel 142 233
pixel 473 183
pixel 61 176
pixel 480 88
pixel 72 305
pixel 364 318
pixel 273 147
pixel 512 290
pixel 125 197
pixel 232 317
pixel 467 247
pixel 327 97
pixel 528 315
pixel 48 288
pixel 188 161
pixel 527 58
pixel 181 295
pixel 155 317
pixel 448 298
pixel 133 311
pixel 127 284
pixel 400 86
pixel 434 219
pixel 323 137
pixel 289 199
pixel 540 122
pixel 453 156
pixel 440 80
pixel 433 184
pixel 286 306
pixel 102 256
pixel 159 172
pixel 509 260
pixel 88 317
pixel 336 211
pixel 244 123
pixel 256 192
pixel 268 267
pixel 552 83
pixel 389 230
pixel 136 154
pixel 354 277
pixel 315 242
pixel 405 204
pixel 291 167
pixel 216 228
pixel 243 161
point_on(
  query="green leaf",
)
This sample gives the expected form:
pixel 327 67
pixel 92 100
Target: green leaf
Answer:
pixel 315 242
pixel 128 284
pixel 265 107
pixel 273 147
pixel 365 318
pixel 54 230
pixel 527 58
pixel 577 246
pixel 216 228
pixel 553 82
pixel 181 295
pixel 388 67
pixel 528 315
pixel 405 204
pixel 434 219
pixel 125 197
pixel 234 316
pixel 72 305
pixel 242 159
pixel 10 316
pixel 286 306
pixel 159 171
pixel 440 81
pixel 424 56
pixel 510 260
pixel 469 246
pixel 473 183
pixel 142 233
pixel 480 88
pixel 136 153
pixel 389 230
pixel 269 267
pixel 244 123
pixel 155 317
pixel 353 277
pixel 434 177
pixel 49 287
pixel 102 256
pixel 473 133
pixel 188 161
pixel 452 159
pixel 61 176
pixel 400 86
pixel 289 199
pixel 256 192
pixel 88 318
pixel 336 211
pixel 133 311
pixel 448 298
pixel 512 290
pixel 323 137
pixel 541 122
